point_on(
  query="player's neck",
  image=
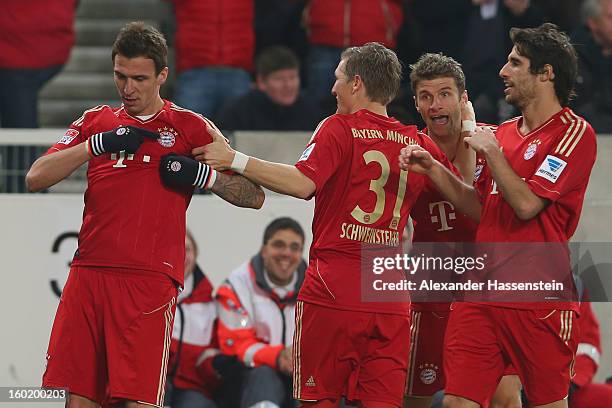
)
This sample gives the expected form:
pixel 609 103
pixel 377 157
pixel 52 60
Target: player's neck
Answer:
pixel 537 112
pixel 374 107
pixel 447 143
pixel 153 108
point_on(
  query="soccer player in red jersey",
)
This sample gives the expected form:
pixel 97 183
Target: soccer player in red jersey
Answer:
pixel 438 83
pixel 344 346
pixel 537 170
pixel 111 335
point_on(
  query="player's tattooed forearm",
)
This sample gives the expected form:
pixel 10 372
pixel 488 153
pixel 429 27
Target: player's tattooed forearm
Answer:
pixel 238 190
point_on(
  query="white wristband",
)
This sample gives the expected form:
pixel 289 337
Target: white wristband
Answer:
pixel 468 126
pixel 211 180
pixel 239 163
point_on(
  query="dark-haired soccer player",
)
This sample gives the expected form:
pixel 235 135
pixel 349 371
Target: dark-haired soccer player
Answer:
pixel 111 334
pixel 537 170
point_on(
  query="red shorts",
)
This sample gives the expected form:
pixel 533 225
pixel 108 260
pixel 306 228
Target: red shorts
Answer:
pixel 111 335
pixel 359 355
pixel 425 372
pixel 481 341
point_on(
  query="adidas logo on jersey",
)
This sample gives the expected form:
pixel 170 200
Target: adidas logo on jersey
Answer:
pixel 311 382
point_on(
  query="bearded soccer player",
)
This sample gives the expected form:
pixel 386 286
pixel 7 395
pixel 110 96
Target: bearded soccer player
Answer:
pixel 532 190
pixel 110 338
pixel 344 346
pixel 438 83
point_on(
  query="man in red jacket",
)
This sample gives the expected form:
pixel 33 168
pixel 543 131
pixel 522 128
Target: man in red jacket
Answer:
pixel 334 25
pixel 214 46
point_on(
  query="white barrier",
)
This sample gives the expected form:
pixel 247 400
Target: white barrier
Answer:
pixel 32 224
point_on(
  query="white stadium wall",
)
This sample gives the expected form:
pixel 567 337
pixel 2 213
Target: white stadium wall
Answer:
pixel 226 236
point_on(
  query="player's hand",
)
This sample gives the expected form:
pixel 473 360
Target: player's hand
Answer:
pixel 415 158
pixel 483 140
pixel 467 109
pixel 127 138
pixel 181 171
pixel 218 154
pixel 285 361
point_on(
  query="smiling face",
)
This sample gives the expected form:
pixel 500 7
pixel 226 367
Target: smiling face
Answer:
pixel 281 255
pixel 282 86
pixel 439 103
pixel 138 84
pixel 343 90
pixel 520 84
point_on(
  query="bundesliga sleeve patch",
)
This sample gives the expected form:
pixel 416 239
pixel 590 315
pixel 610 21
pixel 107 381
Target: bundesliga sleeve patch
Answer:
pixel 69 136
pixel 307 152
pixel 551 168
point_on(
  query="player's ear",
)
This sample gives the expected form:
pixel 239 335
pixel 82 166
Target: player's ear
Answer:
pixel 357 84
pixel 547 74
pixel 416 103
pixel 464 96
pixel 163 76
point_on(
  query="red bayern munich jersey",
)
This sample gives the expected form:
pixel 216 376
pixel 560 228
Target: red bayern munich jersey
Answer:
pixel 555 160
pixel 436 220
pixel 362 198
pixel 130 219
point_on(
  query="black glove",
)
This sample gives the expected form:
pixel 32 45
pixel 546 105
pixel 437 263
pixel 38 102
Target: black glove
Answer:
pixel 226 366
pixel 181 171
pixel 128 138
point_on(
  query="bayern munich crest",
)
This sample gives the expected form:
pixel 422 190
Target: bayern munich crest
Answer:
pixel 531 149
pixel 167 136
pixel 175 166
pixel 428 373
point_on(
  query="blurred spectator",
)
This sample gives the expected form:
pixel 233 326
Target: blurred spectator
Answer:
pixel 486 49
pixel 584 393
pixel 563 13
pixel 257 310
pixel 35 42
pixel 214 46
pixel 277 103
pixel 194 342
pixel 439 26
pixel 334 25
pixel 594 46
pixel 278 22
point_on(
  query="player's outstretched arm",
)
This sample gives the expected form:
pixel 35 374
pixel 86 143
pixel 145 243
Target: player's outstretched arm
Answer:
pixel 278 177
pixel 238 190
pixel 52 168
pixel 463 196
pixel 525 203
pixel 178 171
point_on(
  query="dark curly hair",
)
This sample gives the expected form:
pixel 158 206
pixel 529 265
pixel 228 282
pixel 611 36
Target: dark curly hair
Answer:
pixel 138 39
pixel 546 45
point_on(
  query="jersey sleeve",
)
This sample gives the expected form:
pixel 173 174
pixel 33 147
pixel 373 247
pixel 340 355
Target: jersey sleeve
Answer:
pixel 567 166
pixel 74 135
pixel 197 133
pixel 325 151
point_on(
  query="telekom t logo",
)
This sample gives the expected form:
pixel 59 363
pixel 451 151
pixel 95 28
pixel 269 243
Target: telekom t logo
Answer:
pixel 439 214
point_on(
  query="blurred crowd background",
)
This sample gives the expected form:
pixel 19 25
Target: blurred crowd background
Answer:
pixel 269 64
